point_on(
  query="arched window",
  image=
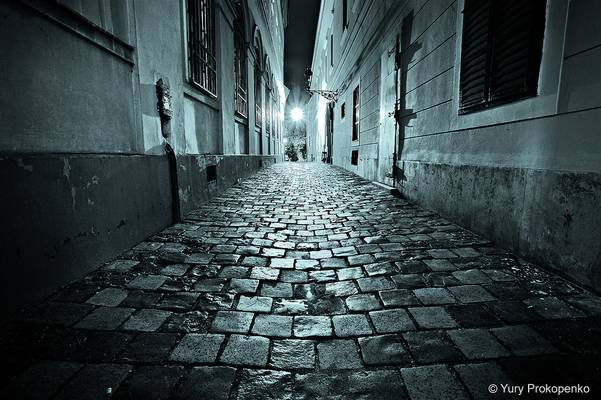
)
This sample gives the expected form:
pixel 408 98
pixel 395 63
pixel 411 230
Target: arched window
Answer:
pixel 240 72
pixel 202 64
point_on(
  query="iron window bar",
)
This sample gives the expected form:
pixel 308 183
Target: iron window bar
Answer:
pixel 258 99
pixel 201 45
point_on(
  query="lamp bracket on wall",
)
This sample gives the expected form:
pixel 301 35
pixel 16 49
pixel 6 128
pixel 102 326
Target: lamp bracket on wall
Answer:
pixel 331 95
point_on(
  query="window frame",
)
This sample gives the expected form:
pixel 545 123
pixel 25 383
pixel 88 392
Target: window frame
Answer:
pixel 332 50
pixel 240 66
pixel 492 98
pixel 258 97
pixel 356 114
pixel 267 104
pixel 544 104
pixel 201 38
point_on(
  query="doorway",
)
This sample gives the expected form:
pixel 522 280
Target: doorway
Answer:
pixel 329 133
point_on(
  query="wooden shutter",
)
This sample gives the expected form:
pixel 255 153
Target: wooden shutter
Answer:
pixel 477 16
pixel 501 51
pixel 517 48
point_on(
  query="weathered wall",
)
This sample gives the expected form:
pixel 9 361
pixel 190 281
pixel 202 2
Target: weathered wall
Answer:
pixel 525 174
pixel 549 216
pixel 65 215
pixel 194 189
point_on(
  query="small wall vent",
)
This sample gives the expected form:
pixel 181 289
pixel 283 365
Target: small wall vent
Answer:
pixel 355 157
pixel 212 173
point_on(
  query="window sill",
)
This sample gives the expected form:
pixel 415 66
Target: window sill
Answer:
pixel 528 108
pixel 241 119
pixel 195 94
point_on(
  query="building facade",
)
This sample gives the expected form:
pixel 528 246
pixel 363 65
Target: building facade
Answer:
pixel 121 116
pixel 487 112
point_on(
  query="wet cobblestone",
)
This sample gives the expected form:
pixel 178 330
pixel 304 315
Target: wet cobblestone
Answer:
pixel 305 282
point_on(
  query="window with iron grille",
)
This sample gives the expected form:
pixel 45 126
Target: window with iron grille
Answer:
pixel 500 52
pixel 268 119
pixel 240 73
pixel 268 106
pixel 356 113
pixel 274 123
pixel 202 64
pixel 258 98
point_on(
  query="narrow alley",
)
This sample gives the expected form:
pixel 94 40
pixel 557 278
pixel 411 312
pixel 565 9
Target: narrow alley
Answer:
pixel 300 199
pixel 306 281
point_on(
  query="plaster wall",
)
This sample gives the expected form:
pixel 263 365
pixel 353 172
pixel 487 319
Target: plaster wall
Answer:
pixel 67 214
pixel 160 56
pixel 52 102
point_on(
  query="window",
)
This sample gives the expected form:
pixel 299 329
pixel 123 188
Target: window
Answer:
pixel 201 45
pixel 240 74
pixel 274 122
pixel 344 14
pixel 342 110
pixel 331 50
pixel 356 113
pixel 258 98
pixel 354 157
pixel 268 120
pixel 501 52
pixel 268 107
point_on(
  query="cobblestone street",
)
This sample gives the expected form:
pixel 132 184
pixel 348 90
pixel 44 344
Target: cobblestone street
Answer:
pixel 306 282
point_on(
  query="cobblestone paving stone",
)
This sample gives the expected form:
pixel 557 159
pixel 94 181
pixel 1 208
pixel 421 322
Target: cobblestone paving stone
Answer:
pixel 306 282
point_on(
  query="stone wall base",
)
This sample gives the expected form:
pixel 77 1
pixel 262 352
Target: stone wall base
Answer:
pixel 550 217
pixel 64 215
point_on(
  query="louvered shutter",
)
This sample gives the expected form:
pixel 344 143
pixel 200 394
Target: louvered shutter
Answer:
pixel 474 53
pixel 517 48
pixel 500 52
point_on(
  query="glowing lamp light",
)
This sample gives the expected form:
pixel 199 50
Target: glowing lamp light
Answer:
pixel 296 114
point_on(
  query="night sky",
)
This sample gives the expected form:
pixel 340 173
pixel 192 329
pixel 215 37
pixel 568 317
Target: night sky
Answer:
pixel 298 49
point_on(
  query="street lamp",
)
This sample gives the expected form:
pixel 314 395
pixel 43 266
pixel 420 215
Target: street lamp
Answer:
pixel 296 114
